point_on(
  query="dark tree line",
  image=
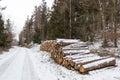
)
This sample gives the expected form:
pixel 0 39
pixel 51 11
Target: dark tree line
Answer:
pixel 2 34
pixel 87 20
pixel 35 29
pixel 6 36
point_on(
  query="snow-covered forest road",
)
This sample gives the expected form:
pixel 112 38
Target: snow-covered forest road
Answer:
pixel 31 64
pixel 17 65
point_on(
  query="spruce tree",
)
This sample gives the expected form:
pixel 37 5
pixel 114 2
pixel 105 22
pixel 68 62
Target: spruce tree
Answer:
pixel 2 33
pixel 44 17
pixel 57 23
pixel 8 31
pixel 40 22
pixel 37 25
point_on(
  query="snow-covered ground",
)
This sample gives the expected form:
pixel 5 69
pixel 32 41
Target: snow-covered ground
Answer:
pixel 32 64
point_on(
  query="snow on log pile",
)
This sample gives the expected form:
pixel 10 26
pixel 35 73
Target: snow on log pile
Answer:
pixel 65 42
pixel 75 55
pixel 97 64
pixel 49 44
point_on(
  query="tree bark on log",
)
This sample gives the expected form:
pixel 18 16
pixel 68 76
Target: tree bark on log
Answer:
pixel 77 64
pixel 97 65
pixel 74 53
pixel 75 48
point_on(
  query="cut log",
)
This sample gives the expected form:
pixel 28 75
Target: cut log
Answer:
pixel 97 65
pixel 79 45
pixel 60 60
pixel 79 56
pixel 74 52
pixel 56 50
pixel 75 58
pixel 74 48
pixel 79 53
pixel 83 62
pixel 47 45
pixel 82 58
pixel 65 62
pixel 68 40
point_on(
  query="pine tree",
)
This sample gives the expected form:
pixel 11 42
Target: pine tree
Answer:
pixel 40 22
pixel 37 25
pixel 44 17
pixel 26 36
pixel 21 41
pixel 58 25
pixel 2 33
pixel 8 32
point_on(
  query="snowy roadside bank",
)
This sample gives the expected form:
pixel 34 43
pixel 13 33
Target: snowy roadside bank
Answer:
pixel 54 71
pixel 32 64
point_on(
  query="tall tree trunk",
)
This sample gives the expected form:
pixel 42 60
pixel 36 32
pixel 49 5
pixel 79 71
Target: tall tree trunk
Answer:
pixel 103 22
pixel 70 34
pixel 115 22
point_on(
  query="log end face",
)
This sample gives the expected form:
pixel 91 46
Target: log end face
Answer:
pixel 82 70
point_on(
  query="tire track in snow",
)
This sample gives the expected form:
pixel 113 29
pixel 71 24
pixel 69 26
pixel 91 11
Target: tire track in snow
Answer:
pixel 4 63
pixel 29 72
pixel 14 70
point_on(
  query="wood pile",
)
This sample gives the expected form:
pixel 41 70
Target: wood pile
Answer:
pixel 77 56
pixel 47 45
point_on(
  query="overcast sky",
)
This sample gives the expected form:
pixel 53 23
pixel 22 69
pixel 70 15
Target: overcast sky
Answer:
pixel 17 10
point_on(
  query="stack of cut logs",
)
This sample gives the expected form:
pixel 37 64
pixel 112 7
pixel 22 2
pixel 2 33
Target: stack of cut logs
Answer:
pixel 47 45
pixel 77 56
